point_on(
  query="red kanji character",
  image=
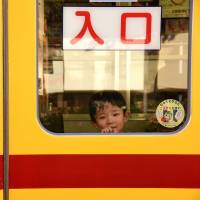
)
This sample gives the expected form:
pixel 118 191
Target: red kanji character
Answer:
pixel 148 28
pixel 87 25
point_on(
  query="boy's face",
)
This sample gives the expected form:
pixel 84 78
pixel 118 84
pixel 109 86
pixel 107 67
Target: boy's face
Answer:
pixel 110 118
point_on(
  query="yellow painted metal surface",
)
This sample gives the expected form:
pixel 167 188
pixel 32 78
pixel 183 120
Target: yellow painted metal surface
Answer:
pixel 26 135
pixel 111 194
pixel 1 83
pixel 1 194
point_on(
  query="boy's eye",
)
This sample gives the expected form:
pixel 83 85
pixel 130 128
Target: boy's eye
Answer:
pixel 115 114
pixel 101 117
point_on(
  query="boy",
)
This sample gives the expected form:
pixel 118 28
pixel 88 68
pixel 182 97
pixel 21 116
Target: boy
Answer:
pixel 108 111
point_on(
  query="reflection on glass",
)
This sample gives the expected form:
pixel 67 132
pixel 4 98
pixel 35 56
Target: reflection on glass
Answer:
pixel 67 79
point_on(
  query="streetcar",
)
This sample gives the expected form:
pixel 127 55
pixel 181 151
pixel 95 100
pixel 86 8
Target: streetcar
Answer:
pixel 99 99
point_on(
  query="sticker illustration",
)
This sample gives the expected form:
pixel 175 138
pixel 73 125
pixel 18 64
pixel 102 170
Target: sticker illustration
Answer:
pixel 170 113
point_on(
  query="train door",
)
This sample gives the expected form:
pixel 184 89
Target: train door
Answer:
pixel 63 82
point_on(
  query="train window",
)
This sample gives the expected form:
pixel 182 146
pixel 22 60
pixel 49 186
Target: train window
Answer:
pixel 79 90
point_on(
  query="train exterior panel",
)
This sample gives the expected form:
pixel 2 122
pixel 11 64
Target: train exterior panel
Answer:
pixel 49 166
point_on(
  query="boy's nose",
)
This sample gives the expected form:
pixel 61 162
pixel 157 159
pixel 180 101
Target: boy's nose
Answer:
pixel 110 120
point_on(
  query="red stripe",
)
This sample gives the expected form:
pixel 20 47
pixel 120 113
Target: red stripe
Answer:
pixel 104 171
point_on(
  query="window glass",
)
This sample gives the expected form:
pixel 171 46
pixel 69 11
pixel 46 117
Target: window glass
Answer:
pixel 153 83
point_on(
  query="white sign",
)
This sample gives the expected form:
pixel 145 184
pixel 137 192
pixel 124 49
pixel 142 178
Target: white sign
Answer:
pixel 114 28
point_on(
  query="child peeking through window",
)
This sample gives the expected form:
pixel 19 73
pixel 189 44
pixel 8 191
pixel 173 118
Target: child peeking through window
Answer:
pixel 108 111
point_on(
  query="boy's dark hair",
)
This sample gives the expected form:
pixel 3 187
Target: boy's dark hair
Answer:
pixel 100 98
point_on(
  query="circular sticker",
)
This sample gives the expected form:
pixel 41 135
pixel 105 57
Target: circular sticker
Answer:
pixel 170 113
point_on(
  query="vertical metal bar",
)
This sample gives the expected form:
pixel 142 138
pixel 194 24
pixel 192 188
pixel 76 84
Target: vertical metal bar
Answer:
pixel 5 99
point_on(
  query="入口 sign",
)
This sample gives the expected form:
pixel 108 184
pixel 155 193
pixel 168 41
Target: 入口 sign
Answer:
pixel 111 28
